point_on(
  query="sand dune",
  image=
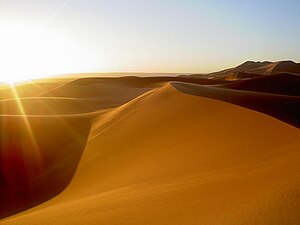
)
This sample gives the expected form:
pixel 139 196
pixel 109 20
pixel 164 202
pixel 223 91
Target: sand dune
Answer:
pixel 32 89
pixel 283 84
pixel 287 66
pixel 42 138
pixel 251 69
pixel 176 155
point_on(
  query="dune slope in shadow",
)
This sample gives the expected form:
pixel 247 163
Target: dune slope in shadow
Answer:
pixel 282 84
pixel 38 158
pixel 282 107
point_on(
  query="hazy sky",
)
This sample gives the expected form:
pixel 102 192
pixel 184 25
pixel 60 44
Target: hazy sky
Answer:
pixel 152 35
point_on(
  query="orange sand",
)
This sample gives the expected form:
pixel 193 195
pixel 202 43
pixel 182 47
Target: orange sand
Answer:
pixel 166 157
pixel 156 155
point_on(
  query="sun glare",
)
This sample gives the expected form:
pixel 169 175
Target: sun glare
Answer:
pixel 20 46
pixel 29 52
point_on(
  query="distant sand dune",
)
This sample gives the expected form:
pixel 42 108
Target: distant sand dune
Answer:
pixel 251 69
pixel 282 84
pixel 32 89
pixel 176 154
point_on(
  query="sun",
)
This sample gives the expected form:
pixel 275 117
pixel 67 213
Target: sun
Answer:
pixel 29 52
pixel 19 46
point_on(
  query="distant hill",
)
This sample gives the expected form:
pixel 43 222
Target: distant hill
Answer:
pixel 251 69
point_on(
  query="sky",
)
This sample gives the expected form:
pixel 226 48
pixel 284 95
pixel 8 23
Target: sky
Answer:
pixel 40 37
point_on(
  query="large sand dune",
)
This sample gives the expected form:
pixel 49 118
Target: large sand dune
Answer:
pixel 151 151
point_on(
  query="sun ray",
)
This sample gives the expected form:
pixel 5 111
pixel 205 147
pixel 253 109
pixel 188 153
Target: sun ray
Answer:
pixel 56 115
pixel 56 12
pixel 36 152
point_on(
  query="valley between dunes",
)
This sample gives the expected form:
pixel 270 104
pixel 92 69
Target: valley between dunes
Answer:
pixel 150 151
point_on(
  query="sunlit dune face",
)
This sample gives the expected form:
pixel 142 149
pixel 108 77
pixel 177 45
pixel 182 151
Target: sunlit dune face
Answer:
pixel 33 52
